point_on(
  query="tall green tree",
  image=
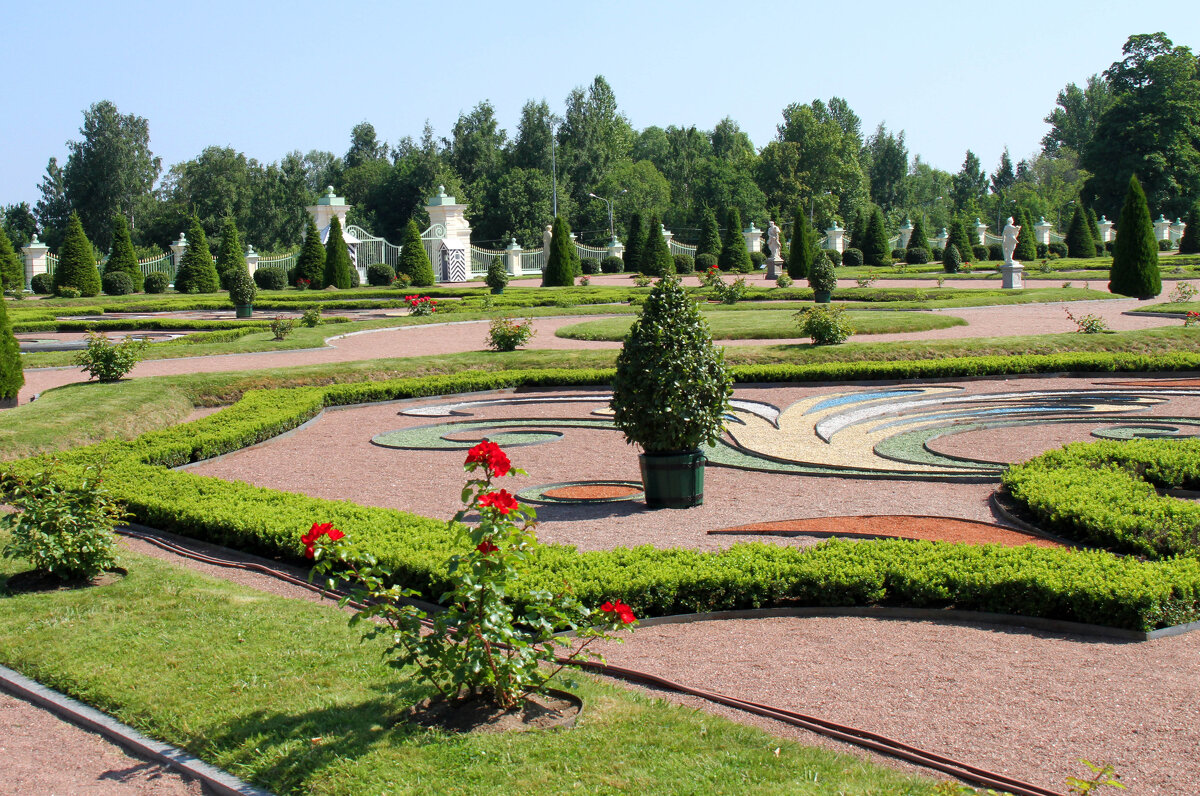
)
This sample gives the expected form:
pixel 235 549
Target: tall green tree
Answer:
pixel 231 260
pixel 1079 236
pixel 197 273
pixel 960 237
pixel 804 247
pixel 1026 250
pixel 918 239
pixel 76 261
pixel 123 257
pixel 12 377
pixel 414 260
pixel 635 239
pixel 734 256
pixel 1190 242
pixel 875 241
pixel 593 139
pixel 970 184
pixel 887 167
pixel 710 235
pixel 310 264
pixel 19 224
pixel 656 254
pixel 12 270
pixel 562 261
pixel 53 209
pixel 338 271
pixel 1135 253
pixel 1093 226
pixel 1073 123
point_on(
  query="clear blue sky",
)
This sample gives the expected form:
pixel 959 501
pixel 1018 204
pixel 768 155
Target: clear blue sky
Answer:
pixel 267 78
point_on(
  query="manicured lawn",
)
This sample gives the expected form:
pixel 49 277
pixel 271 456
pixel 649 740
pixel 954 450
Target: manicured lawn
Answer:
pixel 768 324
pixel 282 694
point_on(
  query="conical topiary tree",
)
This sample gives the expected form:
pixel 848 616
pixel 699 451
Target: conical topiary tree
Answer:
pixel 12 377
pixel 310 264
pixel 857 231
pixel 634 240
pixel 1094 228
pixel 1190 242
pixel 734 256
pixel 76 261
pixel 562 261
pixel 710 235
pixel 1079 236
pixel 803 249
pixel 874 241
pixel 1026 250
pixel 231 260
pixel 197 273
pixel 12 270
pixel 958 235
pixel 656 254
pixel 337 259
pixel 1135 253
pixel 918 239
pixel 414 260
pixel 122 257
pixel 951 260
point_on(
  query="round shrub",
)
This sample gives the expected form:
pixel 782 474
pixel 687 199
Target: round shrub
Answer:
pixel 916 256
pixel 589 266
pixel 380 275
pixel 826 325
pixel 852 258
pixel 758 259
pixel 684 264
pixel 979 253
pixel 67 291
pixel 42 284
pixel 833 256
pixel 612 265
pixel 156 282
pixel 937 253
pixel 995 252
pixel 116 283
pixel 823 277
pixel 1042 251
pixel 1058 248
pixel 271 277
pixel 897 254
pixel 952 261
pixel 705 261
pixel 1164 245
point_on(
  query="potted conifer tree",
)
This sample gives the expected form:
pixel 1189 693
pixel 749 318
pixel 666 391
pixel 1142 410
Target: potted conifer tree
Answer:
pixel 670 395
pixel 242 291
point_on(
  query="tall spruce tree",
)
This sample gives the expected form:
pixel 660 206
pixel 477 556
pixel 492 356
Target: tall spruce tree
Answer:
pixel 1079 237
pixel 1135 253
pixel 562 261
pixel 414 260
pixel 76 261
pixel 875 242
pixel 858 230
pixel 337 258
pixel 1026 250
pixel 12 271
pixel 804 247
pixel 958 235
pixel 1190 242
pixel 310 264
pixel 634 241
pixel 918 239
pixel 710 235
pixel 197 273
pixel 122 257
pixel 734 256
pixel 231 260
pixel 656 254
pixel 12 377
pixel 1094 228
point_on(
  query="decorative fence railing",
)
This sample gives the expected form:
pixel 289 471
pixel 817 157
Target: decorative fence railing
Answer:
pixel 373 250
pixel 590 252
pixel 51 263
pixel 533 261
pixel 681 248
pixel 482 258
pixel 162 264
pixel 285 261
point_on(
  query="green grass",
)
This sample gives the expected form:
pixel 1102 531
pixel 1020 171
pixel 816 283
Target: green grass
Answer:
pixel 768 324
pixel 282 694
pixel 1171 306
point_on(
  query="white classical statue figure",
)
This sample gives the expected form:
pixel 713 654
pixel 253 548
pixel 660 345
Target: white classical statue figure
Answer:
pixel 773 246
pixel 1010 240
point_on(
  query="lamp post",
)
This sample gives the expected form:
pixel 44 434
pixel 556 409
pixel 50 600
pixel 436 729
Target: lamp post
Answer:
pixel 609 202
pixel 553 122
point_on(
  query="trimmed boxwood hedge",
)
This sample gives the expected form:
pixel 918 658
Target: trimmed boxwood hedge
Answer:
pixel 1084 586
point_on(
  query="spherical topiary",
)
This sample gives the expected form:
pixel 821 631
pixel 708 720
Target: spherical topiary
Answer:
pixel 952 260
pixel 1059 249
pixel 852 258
pixel 979 253
pixel 671 388
pixel 994 252
pixel 42 284
pixel 271 277
pixel 497 274
pixel 684 264
pixel 242 288
pixel 937 253
pixel 156 282
pixel 1042 251
pixel 612 265
pixel 116 283
pixel 1135 256
pixel 705 261
pixel 916 256
pixel 822 276
pixel 1164 245
pixel 12 377
pixel 832 255
pixel 380 275
pixel 587 265
pixel 76 262
pixel 757 260
pixel 897 254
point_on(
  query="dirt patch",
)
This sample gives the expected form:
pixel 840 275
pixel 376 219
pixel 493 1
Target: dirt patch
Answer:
pixel 892 526
pixel 477 714
pixel 592 492
pixel 31 581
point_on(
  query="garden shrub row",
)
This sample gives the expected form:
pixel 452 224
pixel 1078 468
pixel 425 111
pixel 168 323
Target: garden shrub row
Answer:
pixel 1091 586
pixel 1104 494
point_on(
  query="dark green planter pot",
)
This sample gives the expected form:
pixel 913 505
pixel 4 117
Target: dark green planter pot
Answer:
pixel 822 296
pixel 243 310
pixel 673 480
pixel 496 291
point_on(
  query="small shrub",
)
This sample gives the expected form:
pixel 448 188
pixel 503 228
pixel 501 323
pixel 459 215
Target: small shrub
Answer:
pixel 380 275
pixel 1099 249
pixel 304 283
pixel 852 258
pixel 641 280
pixel 589 266
pixel 952 262
pixel 67 533
pixel 1183 293
pixel 156 282
pixel 979 253
pixel 1087 324
pixel 705 262
pixel 916 256
pixel 271 277
pixel 783 280
pixel 897 254
pixel 1164 246
pixel 826 325
pixel 612 265
pixel 506 334
pixel 901 267
pixel 941 280
pixel 730 293
pixel 684 264
pixel 1052 256
pixel 937 253
pixel 994 252
pixel 311 317
pixel 866 281
pixel 585 280
pixel 281 327
pixel 116 283
pixel 1066 285
pixel 108 361
pixel 402 281
pixel 497 275
pixel 42 284
pixel 1043 267
pixel 67 291
pixel 1058 248
pixel 823 277
pixel 833 256
pixel 1192 319
pixel 242 288
pixel 758 260
pixel 421 306
pixel 1042 250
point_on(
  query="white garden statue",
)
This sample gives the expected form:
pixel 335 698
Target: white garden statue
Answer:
pixel 773 245
pixel 1010 240
pixel 1011 272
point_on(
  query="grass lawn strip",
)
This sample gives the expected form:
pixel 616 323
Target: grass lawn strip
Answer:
pixel 282 694
pixel 766 324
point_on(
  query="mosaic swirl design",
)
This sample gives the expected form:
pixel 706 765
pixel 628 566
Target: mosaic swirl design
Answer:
pixel 577 492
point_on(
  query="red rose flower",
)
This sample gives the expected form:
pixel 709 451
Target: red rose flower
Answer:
pixel 487 548
pixel 318 530
pixel 491 457
pixel 623 611
pixel 501 501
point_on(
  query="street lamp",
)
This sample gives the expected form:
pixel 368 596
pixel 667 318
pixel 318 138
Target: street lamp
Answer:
pixel 609 202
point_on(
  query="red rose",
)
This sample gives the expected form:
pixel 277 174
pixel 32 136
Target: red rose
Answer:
pixel 491 457
pixel 501 501
pixel 318 530
pixel 623 611
pixel 487 548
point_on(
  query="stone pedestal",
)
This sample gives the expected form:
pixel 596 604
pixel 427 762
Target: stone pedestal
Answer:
pixel 448 224
pixel 326 208
pixel 1106 229
pixel 615 248
pixel 774 267
pixel 905 234
pixel 178 248
pixel 1012 275
pixel 752 236
pixel 980 232
pixel 1042 230
pixel 512 258
pixel 835 238
pixel 251 260
pixel 35 260
pixel 1177 231
pixel 943 238
pixel 1162 228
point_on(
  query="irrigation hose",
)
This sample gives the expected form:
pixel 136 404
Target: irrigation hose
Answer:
pixel 852 735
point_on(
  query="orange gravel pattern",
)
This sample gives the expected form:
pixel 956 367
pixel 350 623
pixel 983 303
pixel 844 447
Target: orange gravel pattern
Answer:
pixel 892 526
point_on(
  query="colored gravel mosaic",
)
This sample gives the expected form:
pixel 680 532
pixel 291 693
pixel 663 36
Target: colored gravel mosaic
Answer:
pixel 583 492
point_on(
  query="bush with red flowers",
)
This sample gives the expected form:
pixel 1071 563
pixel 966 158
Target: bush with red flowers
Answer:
pixel 480 645
pixel 421 305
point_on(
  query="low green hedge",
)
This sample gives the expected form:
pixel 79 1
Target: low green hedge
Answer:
pixel 1103 493
pixel 1095 587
